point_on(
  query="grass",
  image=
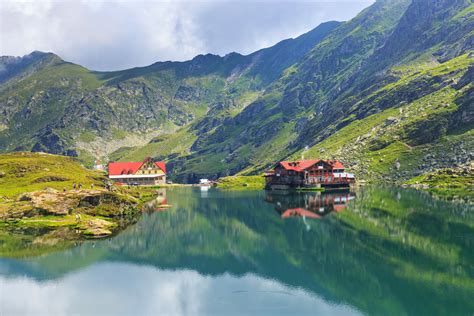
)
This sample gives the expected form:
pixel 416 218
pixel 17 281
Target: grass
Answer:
pixel 445 178
pixel 241 183
pixel 87 136
pixel 427 65
pixel 163 145
pixel 348 134
pixel 447 183
pixel 468 11
pixel 118 134
pixel 49 221
pixel 26 172
pixel 310 189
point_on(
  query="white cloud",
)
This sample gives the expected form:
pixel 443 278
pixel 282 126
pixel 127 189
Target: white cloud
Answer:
pixel 117 34
pixel 125 289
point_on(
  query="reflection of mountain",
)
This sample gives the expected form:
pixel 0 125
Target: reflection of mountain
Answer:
pixel 392 251
pixel 308 204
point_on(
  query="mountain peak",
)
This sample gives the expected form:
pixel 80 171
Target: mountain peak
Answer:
pixel 11 66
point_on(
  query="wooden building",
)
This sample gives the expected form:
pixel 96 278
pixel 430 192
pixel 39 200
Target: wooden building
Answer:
pixel 147 172
pixel 308 174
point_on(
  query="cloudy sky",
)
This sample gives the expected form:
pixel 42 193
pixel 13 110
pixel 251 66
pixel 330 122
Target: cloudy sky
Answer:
pixel 118 34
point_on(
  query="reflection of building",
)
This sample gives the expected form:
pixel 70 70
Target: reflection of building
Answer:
pixel 308 173
pixel 159 203
pixel 147 172
pixel 308 204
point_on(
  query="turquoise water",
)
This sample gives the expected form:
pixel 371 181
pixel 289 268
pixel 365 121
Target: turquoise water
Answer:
pixel 376 251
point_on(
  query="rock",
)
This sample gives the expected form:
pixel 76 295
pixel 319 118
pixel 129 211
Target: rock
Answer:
pixel 90 200
pixel 56 236
pixel 50 179
pixel 390 120
pixel 397 164
pixel 96 227
pixel 50 202
pixel 25 197
pixel 50 190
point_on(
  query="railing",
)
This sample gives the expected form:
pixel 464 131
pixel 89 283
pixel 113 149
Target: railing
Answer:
pixel 309 181
pixel 319 180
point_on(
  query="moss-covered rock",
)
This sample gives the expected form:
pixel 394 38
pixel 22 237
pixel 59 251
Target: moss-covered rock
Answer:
pixel 456 182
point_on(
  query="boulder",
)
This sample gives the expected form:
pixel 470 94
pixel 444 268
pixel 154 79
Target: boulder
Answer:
pixel 390 120
pixel 25 197
pixel 96 227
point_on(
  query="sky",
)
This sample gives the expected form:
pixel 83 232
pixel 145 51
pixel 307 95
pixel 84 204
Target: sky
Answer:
pixel 120 34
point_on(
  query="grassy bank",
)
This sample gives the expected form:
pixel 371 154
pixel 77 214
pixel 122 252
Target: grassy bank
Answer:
pixel 448 182
pixel 40 211
pixel 241 183
pixel 27 172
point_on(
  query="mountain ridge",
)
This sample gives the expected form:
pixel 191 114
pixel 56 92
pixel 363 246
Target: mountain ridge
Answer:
pixel 396 76
pixel 165 95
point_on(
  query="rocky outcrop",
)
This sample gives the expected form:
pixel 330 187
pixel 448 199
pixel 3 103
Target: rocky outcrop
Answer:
pixel 76 208
pixel 96 227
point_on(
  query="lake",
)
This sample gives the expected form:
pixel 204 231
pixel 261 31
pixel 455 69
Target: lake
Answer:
pixel 375 251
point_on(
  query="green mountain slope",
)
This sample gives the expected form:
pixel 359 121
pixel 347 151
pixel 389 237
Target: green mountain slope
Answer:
pixel 390 93
pixel 66 109
pixel 368 66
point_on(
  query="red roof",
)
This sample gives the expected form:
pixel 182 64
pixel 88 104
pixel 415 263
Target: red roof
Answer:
pixel 298 165
pixel 299 212
pixel 119 168
pixel 335 164
pixel 301 165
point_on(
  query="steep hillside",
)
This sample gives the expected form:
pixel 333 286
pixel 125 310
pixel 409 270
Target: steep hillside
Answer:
pixel 55 106
pixel 370 94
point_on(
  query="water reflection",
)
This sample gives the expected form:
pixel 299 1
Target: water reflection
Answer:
pixel 204 189
pixel 390 252
pixel 124 289
pixel 159 203
pixel 308 204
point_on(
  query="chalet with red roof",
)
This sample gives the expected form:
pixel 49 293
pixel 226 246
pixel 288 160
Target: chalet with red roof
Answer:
pixel 147 172
pixel 308 174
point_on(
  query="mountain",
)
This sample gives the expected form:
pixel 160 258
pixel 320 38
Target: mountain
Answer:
pixel 59 107
pixel 390 93
pixel 370 94
pixel 19 67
